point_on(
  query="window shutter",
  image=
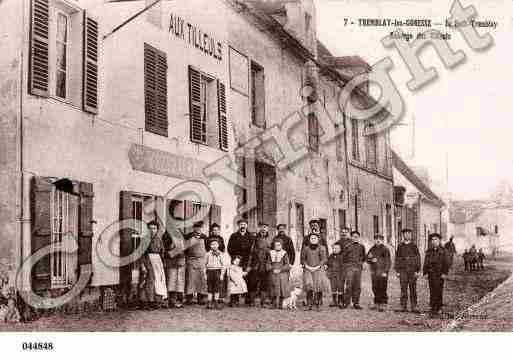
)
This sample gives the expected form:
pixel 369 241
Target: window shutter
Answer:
pixel 313 132
pixel 155 90
pixel 41 230
pixel 198 128
pixel 85 233
pixel 90 66
pixel 125 236
pixel 39 48
pixel 223 122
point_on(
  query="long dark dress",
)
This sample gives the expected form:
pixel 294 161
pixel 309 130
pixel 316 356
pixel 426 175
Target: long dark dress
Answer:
pixel 279 282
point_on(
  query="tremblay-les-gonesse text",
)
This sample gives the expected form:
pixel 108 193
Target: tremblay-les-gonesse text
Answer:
pixel 195 36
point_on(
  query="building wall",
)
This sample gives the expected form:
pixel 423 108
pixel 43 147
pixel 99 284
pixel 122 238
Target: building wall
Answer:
pixel 63 141
pixel 10 177
pixel 313 181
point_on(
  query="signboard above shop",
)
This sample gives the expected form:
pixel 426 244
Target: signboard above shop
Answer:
pixel 195 36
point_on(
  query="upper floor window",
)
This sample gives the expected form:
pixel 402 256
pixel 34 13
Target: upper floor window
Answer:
pixel 155 90
pixel 64 47
pixel 61 61
pixel 313 132
pixel 257 95
pixel 208 110
pixel 372 147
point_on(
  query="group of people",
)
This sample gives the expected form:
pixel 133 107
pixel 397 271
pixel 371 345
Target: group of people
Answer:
pixel 256 268
pixel 473 259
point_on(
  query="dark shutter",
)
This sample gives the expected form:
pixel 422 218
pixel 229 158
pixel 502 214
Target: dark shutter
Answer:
pixel 125 236
pixel 39 48
pixel 85 232
pixel 155 90
pixel 90 66
pixel 198 127
pixel 41 230
pixel 223 122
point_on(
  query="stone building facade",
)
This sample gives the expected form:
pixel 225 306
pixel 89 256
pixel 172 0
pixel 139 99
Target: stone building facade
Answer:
pixel 122 116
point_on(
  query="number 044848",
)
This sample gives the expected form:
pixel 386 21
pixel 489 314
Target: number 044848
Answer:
pixel 37 346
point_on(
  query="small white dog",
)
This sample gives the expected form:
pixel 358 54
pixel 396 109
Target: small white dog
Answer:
pixel 290 302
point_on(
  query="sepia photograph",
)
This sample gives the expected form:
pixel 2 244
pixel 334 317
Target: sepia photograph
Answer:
pixel 249 166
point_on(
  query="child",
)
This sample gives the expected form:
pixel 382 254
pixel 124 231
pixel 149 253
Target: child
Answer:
pixel 336 276
pixel 279 268
pixel 313 261
pixel 380 263
pixel 236 283
pixel 215 263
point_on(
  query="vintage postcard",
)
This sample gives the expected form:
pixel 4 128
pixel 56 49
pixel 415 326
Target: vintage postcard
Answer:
pixel 255 166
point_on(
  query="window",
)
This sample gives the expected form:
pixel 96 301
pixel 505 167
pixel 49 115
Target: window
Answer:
pixel 313 133
pixel 257 95
pixel 338 143
pixel 355 139
pixel 155 91
pixel 63 54
pixel 208 109
pixel 61 57
pixel 388 214
pixel 372 149
pixel 375 220
pixel 64 227
pixel 341 219
pixel 187 210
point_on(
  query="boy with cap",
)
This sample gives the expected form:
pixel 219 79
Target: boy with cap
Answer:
pixel 436 268
pixel 407 267
pixel 216 263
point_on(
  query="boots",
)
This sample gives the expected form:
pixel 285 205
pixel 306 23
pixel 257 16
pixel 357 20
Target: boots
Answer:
pixel 318 300
pixel 171 301
pixel 179 300
pixel 309 300
pixel 276 304
pixel 188 299
pixel 252 297
pixel 341 303
pixel 334 303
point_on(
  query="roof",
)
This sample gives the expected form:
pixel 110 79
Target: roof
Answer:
pixel 461 212
pixel 407 172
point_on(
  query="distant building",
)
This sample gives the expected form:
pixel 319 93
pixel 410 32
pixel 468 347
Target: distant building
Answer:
pixel 485 224
pixel 417 207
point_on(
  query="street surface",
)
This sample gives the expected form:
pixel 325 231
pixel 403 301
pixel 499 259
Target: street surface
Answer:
pixel 461 290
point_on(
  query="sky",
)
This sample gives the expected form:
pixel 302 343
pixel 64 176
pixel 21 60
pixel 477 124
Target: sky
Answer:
pixel 464 115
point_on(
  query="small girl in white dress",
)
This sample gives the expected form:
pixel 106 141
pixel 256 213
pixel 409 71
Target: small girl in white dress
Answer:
pixel 236 283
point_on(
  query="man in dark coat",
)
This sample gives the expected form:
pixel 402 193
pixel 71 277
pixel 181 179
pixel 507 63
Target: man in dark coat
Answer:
pixel 286 242
pixel 240 244
pixel 407 267
pixel 380 263
pixel 450 249
pixel 436 268
pixel 258 275
pixel 353 257
pixel 480 258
